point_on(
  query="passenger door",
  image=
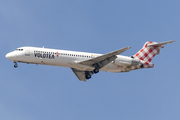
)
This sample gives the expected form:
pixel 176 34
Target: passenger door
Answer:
pixel 27 51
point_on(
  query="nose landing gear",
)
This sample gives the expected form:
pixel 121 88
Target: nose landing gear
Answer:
pixel 15 66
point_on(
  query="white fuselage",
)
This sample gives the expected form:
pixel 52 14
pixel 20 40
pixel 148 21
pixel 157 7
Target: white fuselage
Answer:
pixel 66 58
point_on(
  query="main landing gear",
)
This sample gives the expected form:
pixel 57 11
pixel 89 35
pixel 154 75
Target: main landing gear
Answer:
pixel 15 65
pixel 96 70
pixel 88 74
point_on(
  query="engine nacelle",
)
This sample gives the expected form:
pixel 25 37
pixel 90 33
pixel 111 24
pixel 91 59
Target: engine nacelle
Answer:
pixel 126 61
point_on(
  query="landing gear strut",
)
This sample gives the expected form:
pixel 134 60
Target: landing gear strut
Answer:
pixel 96 70
pixel 88 74
pixel 15 65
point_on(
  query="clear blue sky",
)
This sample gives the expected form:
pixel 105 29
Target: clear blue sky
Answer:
pixel 33 92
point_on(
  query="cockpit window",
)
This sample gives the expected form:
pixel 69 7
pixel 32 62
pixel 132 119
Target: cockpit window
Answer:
pixel 19 50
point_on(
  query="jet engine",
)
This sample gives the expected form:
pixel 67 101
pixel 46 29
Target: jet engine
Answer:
pixel 127 61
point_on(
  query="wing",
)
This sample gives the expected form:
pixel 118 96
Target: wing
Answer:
pixel 100 60
pixel 104 59
pixel 80 74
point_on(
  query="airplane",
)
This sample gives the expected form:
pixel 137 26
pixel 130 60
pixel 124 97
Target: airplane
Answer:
pixel 84 64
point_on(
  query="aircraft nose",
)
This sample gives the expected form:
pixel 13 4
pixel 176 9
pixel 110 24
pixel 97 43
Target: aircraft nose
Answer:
pixel 10 56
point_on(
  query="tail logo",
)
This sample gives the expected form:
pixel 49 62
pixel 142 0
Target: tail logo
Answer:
pixel 147 53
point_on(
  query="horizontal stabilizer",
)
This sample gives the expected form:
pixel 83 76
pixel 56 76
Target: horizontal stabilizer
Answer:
pixel 149 50
pixel 160 44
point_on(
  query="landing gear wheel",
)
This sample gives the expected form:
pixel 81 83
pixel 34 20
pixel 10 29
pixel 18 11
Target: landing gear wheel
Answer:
pixel 15 65
pixel 96 70
pixel 88 76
